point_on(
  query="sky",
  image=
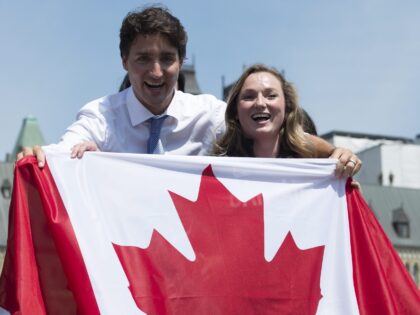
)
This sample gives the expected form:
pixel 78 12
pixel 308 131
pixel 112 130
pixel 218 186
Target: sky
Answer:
pixel 355 64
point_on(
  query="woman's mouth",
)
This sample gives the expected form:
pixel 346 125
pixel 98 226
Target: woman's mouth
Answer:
pixel 260 117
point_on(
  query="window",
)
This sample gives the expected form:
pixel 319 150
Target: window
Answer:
pixel 6 189
pixel 401 223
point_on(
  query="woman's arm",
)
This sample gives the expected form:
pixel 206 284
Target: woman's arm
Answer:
pixel 348 163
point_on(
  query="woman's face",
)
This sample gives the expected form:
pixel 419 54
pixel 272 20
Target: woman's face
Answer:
pixel 261 106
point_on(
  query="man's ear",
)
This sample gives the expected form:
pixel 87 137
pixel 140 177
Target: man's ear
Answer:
pixel 124 63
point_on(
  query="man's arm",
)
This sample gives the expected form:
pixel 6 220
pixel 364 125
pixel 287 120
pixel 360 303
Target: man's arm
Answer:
pixel 76 152
pixel 85 134
pixel 348 163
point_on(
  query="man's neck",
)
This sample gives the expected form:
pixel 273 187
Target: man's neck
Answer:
pixel 156 109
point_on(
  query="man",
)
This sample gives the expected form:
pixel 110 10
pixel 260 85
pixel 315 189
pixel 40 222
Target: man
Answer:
pixel 151 116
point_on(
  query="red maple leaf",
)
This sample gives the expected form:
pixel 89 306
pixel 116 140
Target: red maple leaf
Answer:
pixel 230 274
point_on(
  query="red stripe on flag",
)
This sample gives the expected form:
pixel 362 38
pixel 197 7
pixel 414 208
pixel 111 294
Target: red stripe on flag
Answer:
pixel 382 284
pixel 42 250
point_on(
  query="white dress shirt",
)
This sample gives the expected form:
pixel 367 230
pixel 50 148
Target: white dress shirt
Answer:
pixel 118 123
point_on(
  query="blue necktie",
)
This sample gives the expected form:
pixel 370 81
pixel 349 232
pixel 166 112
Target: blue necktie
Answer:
pixel 155 127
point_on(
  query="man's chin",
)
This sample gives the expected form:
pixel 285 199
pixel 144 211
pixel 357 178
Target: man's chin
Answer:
pixel 156 105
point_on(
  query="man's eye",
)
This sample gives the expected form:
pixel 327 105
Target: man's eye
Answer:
pixel 168 58
pixel 142 59
pixel 272 96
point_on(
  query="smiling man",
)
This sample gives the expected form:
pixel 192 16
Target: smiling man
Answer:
pixel 153 66
pixel 151 116
pixel 152 47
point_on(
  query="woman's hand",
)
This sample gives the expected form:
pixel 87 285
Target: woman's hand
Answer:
pixel 348 163
pixel 356 185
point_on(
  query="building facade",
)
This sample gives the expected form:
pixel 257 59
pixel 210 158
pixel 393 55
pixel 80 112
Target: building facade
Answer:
pixel 390 179
pixel 29 135
pixel 6 182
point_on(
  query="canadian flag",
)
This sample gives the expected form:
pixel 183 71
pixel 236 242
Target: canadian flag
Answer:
pixel 155 234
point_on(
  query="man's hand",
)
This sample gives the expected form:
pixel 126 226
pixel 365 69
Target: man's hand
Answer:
pixel 79 149
pixel 348 163
pixel 34 151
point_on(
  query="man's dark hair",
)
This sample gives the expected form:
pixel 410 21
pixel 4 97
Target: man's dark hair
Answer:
pixel 150 21
pixel 308 124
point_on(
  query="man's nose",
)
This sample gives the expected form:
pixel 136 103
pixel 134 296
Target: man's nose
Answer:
pixel 156 69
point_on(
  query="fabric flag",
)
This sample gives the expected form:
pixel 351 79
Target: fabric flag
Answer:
pixel 154 234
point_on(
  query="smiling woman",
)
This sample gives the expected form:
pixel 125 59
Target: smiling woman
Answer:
pixel 263 118
pixel 261 111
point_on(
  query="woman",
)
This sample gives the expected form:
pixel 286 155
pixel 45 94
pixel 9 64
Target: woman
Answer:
pixel 263 119
pixel 293 143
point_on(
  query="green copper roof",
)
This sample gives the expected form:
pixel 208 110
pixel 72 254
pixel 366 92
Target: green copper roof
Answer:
pixel 30 134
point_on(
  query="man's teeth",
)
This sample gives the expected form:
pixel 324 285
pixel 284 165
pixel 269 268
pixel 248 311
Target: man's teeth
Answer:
pixel 153 85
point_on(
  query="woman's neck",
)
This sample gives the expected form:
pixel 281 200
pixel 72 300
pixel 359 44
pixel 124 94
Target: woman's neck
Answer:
pixel 267 148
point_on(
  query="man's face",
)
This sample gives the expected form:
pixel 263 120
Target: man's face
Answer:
pixel 153 67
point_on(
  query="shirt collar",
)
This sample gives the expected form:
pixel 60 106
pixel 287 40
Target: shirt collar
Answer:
pixel 180 106
pixel 139 114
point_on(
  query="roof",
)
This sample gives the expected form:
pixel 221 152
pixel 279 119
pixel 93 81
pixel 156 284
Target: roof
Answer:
pixel 365 136
pixel 396 204
pixel 6 179
pixel 191 83
pixel 30 134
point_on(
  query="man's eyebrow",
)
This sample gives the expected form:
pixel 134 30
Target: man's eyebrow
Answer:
pixel 141 53
pixel 172 53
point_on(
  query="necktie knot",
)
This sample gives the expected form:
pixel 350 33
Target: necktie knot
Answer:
pixel 155 127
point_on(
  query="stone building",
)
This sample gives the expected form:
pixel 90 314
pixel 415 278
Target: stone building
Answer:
pixel 390 179
pixel 29 135
pixel 6 181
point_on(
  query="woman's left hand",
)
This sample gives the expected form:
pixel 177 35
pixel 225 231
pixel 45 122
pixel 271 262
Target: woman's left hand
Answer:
pixel 348 163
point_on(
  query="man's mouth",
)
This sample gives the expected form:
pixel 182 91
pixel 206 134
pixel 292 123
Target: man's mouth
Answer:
pixel 260 117
pixel 154 85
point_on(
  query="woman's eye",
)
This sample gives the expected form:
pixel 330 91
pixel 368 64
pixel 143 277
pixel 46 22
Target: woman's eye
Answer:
pixel 247 97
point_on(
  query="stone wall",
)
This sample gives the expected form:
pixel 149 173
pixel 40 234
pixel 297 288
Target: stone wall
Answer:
pixel 2 250
pixel 411 260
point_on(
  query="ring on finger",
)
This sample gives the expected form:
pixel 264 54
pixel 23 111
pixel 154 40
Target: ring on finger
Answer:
pixel 351 161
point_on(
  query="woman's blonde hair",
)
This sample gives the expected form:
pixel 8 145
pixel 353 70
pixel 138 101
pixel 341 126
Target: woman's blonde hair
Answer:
pixel 293 142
